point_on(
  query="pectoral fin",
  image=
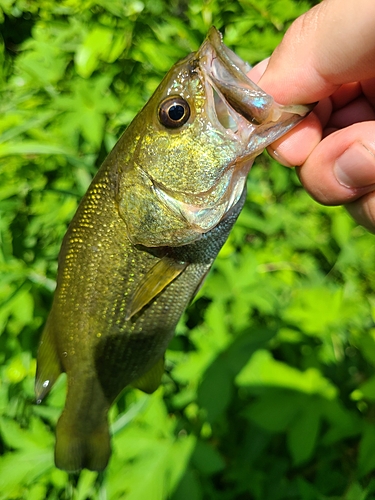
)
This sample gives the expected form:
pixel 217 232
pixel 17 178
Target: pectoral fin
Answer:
pixel 48 364
pixel 150 381
pixel 153 282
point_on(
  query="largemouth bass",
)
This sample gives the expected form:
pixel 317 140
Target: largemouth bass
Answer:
pixel 145 236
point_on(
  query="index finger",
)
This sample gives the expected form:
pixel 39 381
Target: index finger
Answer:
pixel 331 44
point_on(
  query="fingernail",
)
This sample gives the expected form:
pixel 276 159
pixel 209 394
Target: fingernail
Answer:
pixel 355 168
pixel 278 157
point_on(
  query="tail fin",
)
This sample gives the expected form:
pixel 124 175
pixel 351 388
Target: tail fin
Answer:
pixel 76 449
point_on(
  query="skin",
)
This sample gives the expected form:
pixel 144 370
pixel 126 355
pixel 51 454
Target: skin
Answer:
pixel 325 56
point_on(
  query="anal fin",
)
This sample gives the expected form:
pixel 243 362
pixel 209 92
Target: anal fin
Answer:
pixel 153 282
pixel 150 380
pixel 48 364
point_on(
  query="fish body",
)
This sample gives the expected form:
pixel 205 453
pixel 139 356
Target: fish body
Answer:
pixel 144 237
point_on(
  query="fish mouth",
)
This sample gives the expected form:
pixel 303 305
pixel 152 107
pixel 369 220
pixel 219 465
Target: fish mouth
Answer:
pixel 242 112
pixel 242 108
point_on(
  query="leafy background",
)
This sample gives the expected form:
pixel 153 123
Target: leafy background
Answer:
pixel 270 385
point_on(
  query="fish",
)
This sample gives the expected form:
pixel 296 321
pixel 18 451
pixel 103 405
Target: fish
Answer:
pixel 144 237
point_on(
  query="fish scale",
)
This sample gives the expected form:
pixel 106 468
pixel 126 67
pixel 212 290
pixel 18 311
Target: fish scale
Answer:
pixel 144 238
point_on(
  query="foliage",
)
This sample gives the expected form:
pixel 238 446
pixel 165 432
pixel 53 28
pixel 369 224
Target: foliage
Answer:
pixel 270 387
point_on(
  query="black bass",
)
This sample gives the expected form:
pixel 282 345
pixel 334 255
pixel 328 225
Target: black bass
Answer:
pixel 145 236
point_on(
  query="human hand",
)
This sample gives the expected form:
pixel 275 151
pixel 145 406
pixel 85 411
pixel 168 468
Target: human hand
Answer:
pixel 328 55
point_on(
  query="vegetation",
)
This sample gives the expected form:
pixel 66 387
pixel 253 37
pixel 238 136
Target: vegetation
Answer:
pixel 270 386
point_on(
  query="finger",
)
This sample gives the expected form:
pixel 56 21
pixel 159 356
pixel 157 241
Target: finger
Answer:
pixel 345 94
pixel 257 71
pixel 359 110
pixel 293 148
pixel 323 111
pixel 363 211
pixel 315 57
pixel 341 168
pixel 368 89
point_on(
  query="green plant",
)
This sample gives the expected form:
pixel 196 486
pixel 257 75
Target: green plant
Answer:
pixel 270 387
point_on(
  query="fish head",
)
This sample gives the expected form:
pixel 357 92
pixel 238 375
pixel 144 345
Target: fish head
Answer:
pixel 193 144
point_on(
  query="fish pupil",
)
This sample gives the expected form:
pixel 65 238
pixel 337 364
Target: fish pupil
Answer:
pixel 174 112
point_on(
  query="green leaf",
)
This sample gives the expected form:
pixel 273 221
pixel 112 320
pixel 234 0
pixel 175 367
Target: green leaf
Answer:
pixel 37 492
pixel 274 411
pixel 189 488
pixel 148 444
pixel 263 370
pixel 356 492
pixel 303 432
pixel 315 310
pixel 366 458
pixel 34 438
pixel 216 387
pixel 365 390
pixel 342 226
pixel 21 468
pixel 207 459
pixel 96 43
pixel 32 148
pixel 85 486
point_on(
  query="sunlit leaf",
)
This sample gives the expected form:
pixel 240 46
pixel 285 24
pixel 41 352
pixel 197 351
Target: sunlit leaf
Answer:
pixel 263 370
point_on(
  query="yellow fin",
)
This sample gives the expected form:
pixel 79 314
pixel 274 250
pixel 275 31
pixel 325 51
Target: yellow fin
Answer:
pixel 150 380
pixel 48 364
pixel 153 282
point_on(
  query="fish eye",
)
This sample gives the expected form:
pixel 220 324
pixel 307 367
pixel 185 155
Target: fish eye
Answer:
pixel 174 111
